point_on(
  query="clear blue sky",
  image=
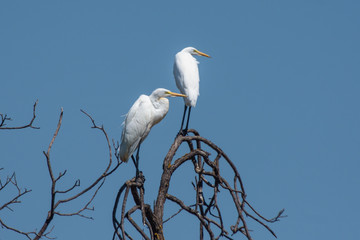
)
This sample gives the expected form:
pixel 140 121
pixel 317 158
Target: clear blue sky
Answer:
pixel 280 96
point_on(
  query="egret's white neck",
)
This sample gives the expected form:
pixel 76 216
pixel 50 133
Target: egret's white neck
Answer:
pixel 159 102
pixel 161 106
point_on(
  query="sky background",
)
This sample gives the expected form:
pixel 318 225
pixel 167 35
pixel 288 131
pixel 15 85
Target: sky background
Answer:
pixel 280 96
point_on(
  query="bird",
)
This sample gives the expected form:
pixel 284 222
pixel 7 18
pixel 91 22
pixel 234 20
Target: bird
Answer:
pixel 146 112
pixel 186 74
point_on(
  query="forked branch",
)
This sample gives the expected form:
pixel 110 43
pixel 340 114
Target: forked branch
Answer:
pixel 57 198
pixel 208 185
pixel 9 182
pixel 4 119
pixel 99 181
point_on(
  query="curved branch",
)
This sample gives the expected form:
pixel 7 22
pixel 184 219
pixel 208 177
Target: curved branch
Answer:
pixel 54 205
pixel 208 213
pixel 5 118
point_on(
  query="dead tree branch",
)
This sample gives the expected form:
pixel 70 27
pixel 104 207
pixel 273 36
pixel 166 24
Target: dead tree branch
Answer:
pixel 12 181
pixel 99 181
pixel 209 183
pixel 4 118
pixel 56 195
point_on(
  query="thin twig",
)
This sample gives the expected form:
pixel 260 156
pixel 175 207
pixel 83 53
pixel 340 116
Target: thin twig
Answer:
pixel 4 118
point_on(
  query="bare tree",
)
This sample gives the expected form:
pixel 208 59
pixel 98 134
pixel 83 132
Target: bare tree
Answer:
pixel 208 184
pixel 11 181
pixel 55 192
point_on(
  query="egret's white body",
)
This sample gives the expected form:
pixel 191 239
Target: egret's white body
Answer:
pixel 142 116
pixel 186 73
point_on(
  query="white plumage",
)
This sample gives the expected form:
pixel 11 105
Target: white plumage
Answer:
pixel 186 73
pixel 142 116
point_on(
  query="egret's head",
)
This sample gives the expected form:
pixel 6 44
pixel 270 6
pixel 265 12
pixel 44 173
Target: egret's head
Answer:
pixel 194 51
pixel 162 92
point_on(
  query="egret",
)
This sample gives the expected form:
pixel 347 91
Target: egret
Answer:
pixel 187 79
pixel 142 116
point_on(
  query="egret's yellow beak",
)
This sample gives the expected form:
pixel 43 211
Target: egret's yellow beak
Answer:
pixel 202 54
pixel 176 94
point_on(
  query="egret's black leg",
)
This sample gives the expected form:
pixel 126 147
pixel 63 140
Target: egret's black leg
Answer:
pixel 134 161
pixel 137 161
pixel 182 122
pixel 187 122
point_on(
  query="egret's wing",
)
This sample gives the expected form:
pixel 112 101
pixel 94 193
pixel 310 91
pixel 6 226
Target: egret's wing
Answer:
pixel 178 74
pixel 186 73
pixel 136 126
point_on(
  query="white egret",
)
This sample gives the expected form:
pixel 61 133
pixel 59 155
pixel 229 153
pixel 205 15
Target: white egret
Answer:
pixel 187 79
pixel 142 116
